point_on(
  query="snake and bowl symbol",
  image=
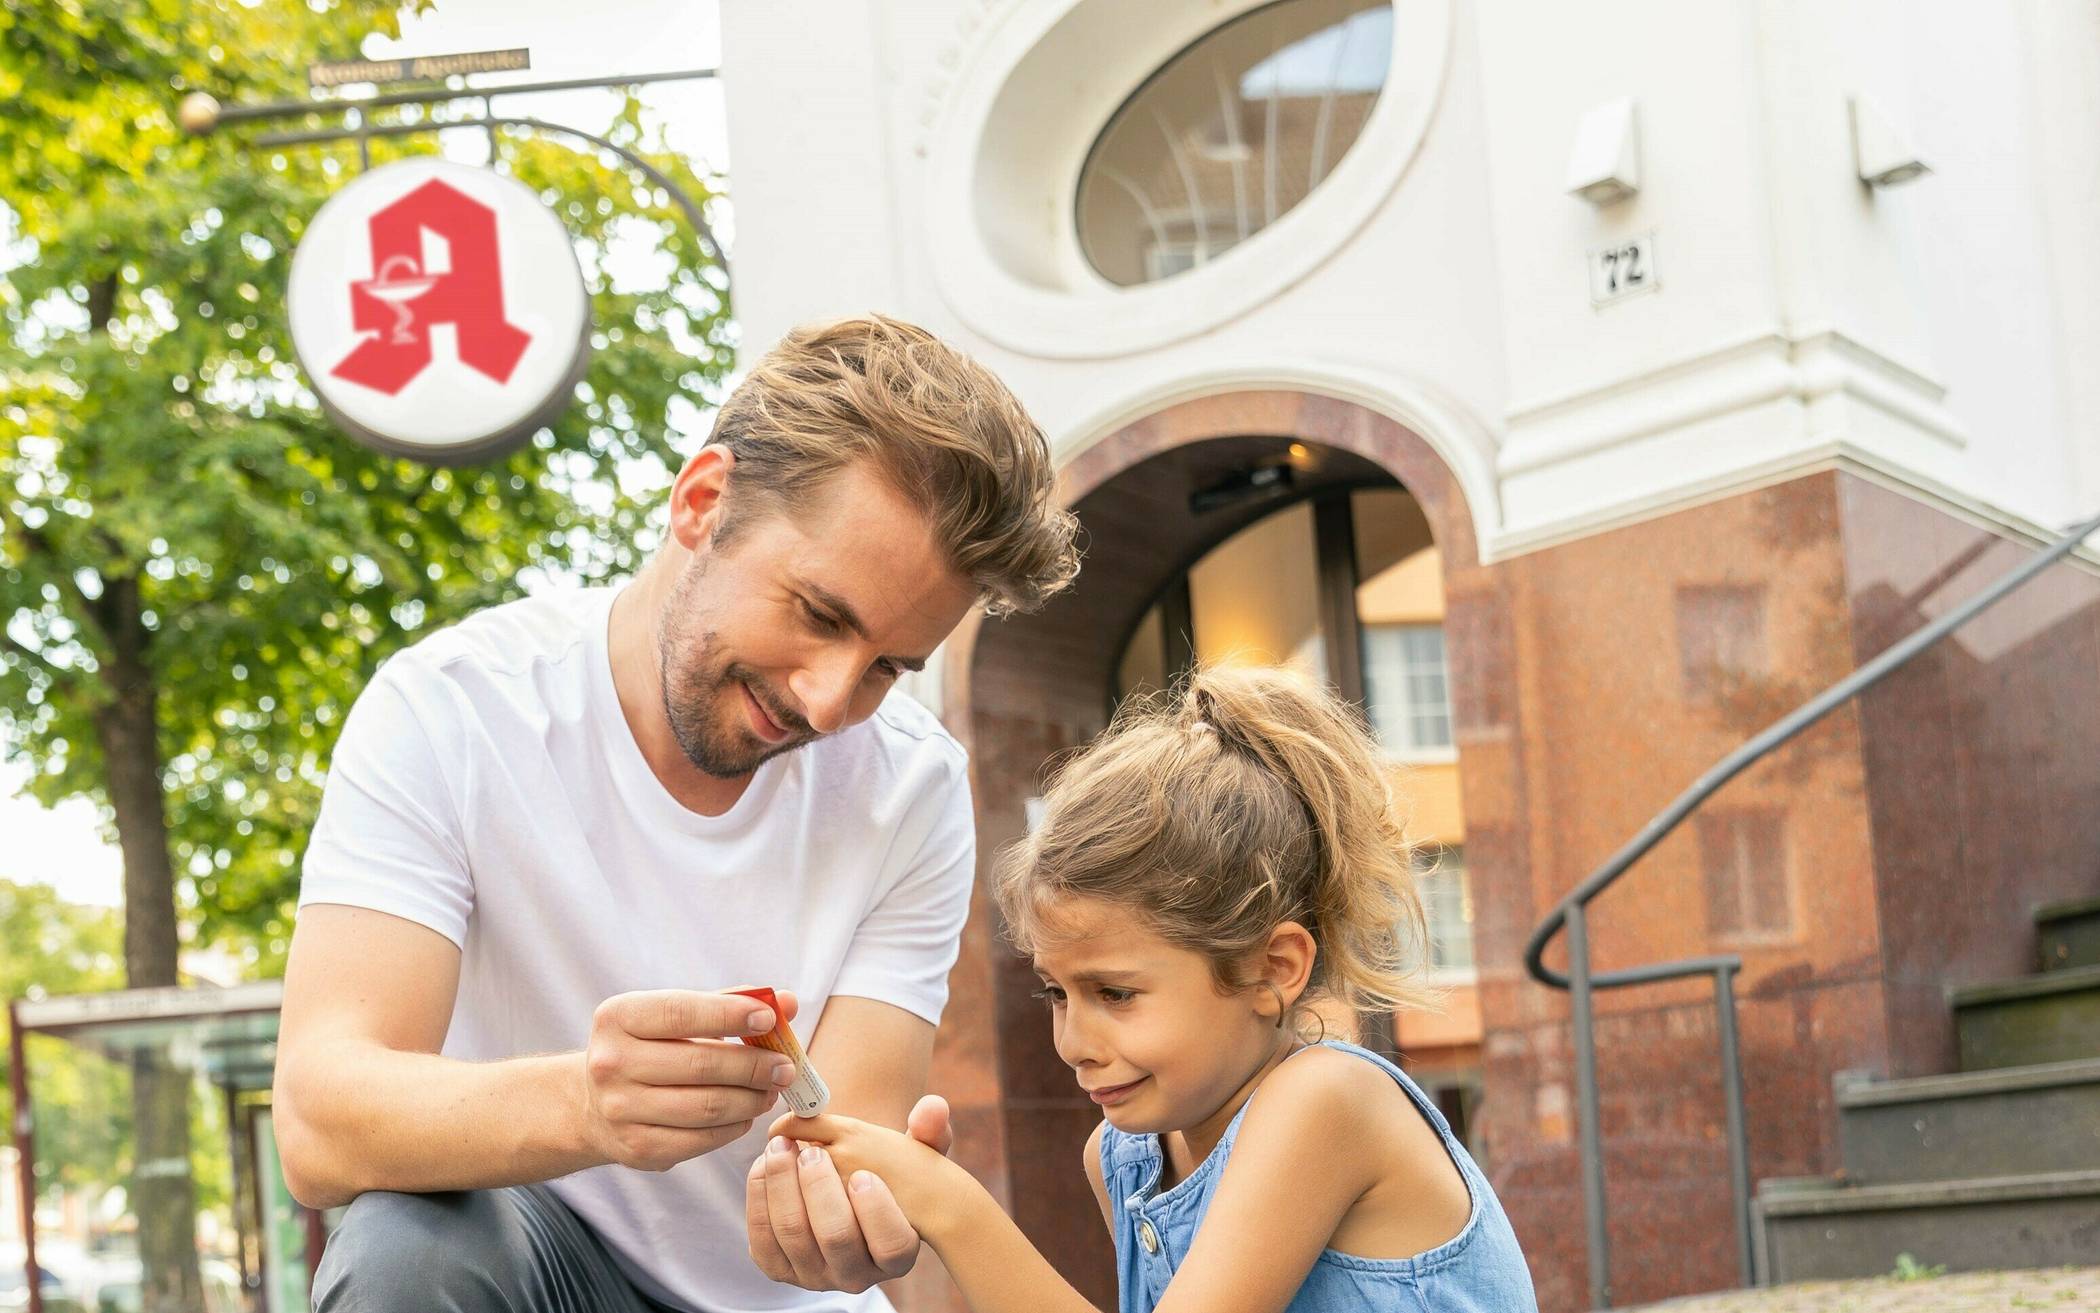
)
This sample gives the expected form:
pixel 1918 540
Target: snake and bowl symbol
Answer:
pixel 398 290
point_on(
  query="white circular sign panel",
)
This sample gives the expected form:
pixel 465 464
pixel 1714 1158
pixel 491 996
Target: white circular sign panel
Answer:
pixel 438 311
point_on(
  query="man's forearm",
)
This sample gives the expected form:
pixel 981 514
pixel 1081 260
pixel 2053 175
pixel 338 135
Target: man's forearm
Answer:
pixel 365 1117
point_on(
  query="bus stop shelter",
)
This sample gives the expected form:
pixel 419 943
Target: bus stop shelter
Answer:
pixel 227 1039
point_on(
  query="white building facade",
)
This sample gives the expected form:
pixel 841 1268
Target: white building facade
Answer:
pixel 1928 334
pixel 1654 309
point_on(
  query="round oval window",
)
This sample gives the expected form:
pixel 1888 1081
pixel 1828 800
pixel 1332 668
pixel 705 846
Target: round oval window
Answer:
pixel 1229 135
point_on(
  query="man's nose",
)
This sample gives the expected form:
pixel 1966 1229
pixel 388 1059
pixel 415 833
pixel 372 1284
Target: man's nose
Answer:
pixel 825 692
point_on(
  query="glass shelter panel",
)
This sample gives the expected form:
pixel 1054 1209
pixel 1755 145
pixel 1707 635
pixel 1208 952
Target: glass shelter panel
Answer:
pixel 145 1108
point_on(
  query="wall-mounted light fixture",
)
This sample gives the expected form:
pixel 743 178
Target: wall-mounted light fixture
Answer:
pixel 1250 483
pixel 1882 154
pixel 1605 165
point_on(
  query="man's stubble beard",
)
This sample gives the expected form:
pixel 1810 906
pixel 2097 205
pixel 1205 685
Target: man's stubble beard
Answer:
pixel 692 696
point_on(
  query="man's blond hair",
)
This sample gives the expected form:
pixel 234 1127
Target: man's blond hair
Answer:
pixel 936 426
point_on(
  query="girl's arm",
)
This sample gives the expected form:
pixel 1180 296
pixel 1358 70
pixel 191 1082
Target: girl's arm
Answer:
pixel 1090 1159
pixel 1005 1271
pixel 1310 1146
pixel 991 1262
pixel 1308 1149
pixel 994 1265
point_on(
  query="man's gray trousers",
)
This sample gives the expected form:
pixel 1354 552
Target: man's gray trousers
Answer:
pixel 517 1249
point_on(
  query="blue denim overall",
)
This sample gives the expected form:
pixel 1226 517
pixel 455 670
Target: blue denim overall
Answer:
pixel 1480 1270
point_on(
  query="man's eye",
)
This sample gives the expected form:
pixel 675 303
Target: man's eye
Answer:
pixel 824 623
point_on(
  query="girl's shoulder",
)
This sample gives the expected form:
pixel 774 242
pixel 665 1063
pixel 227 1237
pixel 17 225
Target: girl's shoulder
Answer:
pixel 1346 1088
pixel 1332 1101
pixel 1346 1108
pixel 1338 1133
pixel 1322 1098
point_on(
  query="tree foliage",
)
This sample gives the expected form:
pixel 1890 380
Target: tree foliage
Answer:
pixel 82 1101
pixel 52 947
pixel 167 482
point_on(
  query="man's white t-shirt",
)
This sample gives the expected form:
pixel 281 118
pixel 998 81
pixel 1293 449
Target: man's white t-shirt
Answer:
pixel 486 785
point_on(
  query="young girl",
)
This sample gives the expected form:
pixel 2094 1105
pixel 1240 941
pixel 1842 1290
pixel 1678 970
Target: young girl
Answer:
pixel 1205 873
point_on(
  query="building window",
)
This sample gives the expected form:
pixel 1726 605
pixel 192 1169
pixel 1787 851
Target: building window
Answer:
pixel 1743 857
pixel 1406 690
pixel 1230 135
pixel 1720 638
pixel 1447 903
pixel 1458 1091
pixel 1164 259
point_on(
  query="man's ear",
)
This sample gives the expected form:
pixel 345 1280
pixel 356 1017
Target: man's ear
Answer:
pixel 698 497
pixel 1287 961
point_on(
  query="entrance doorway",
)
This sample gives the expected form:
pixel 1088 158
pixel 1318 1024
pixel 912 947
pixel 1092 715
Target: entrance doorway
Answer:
pixel 1280 526
pixel 1346 587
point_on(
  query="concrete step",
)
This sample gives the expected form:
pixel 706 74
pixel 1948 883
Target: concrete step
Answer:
pixel 2070 934
pixel 2056 1289
pixel 1817 1230
pixel 2051 1017
pixel 2001 1122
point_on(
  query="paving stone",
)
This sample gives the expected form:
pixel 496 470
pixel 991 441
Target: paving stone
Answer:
pixel 2043 1290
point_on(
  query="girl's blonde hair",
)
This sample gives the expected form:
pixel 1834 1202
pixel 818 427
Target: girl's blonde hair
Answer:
pixel 1237 801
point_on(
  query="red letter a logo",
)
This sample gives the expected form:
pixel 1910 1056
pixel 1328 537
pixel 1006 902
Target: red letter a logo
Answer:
pixel 400 302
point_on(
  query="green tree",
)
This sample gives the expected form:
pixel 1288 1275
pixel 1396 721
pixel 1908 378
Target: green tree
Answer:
pixel 82 1102
pixel 197 573
pixel 48 946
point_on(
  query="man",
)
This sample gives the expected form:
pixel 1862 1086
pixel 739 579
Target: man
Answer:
pixel 554 832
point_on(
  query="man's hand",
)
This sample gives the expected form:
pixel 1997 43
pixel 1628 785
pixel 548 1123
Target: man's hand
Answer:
pixel 666 1079
pixel 807 1229
pixel 930 1188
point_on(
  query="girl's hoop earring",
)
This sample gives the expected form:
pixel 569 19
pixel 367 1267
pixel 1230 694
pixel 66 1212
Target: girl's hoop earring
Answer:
pixel 1321 1038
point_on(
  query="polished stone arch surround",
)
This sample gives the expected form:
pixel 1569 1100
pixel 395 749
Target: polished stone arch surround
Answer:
pixel 1026 688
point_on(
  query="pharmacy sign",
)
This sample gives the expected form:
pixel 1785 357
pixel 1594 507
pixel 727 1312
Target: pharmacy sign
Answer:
pixel 438 311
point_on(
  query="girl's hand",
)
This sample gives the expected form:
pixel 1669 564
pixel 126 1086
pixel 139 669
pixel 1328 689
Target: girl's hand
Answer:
pixel 925 1182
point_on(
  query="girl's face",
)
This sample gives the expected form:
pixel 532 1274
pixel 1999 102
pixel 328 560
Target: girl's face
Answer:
pixel 1141 1022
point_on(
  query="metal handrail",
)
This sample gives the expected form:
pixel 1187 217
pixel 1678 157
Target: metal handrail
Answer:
pixel 1571 914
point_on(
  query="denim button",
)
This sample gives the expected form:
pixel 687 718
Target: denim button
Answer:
pixel 1149 1236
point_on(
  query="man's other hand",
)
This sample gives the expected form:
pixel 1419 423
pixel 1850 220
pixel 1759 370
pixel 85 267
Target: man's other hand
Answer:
pixel 807 1229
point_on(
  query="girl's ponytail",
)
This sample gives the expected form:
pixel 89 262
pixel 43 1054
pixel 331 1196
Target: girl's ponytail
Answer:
pixel 1240 800
pixel 1366 913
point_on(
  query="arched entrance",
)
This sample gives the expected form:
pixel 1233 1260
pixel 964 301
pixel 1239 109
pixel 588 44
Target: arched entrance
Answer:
pixel 1033 686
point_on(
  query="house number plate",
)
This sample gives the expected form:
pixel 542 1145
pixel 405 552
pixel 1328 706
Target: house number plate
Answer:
pixel 1623 270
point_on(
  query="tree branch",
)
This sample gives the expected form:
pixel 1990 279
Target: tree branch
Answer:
pixel 124 619
pixel 102 302
pixel 98 611
pixel 120 613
